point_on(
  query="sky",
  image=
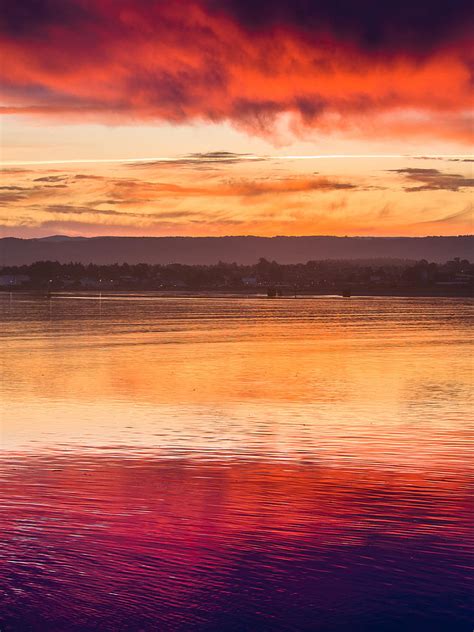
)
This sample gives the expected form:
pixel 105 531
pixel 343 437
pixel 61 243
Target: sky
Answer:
pixel 206 117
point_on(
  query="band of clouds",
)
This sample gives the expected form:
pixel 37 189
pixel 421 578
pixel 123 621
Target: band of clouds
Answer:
pixel 128 191
pixel 366 69
pixel 166 196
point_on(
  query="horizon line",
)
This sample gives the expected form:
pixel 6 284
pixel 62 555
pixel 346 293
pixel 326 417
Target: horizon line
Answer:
pixel 241 236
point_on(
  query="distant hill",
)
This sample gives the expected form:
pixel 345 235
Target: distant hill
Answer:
pixel 243 250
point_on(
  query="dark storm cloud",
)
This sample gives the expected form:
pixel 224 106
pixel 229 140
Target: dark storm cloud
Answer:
pixel 410 25
pixel 380 26
pixel 25 18
pixel 330 64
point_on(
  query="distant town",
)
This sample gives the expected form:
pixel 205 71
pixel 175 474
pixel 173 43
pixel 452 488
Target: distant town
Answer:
pixel 378 277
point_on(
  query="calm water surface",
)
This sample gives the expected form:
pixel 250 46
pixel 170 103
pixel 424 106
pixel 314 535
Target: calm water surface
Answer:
pixel 235 464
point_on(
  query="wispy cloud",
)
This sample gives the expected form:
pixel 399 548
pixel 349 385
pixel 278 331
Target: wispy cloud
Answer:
pixel 451 218
pixel 434 180
pixel 68 209
pixel 203 160
pixel 266 197
pixel 50 179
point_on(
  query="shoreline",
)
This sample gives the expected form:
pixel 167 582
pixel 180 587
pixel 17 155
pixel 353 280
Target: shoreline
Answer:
pixel 214 293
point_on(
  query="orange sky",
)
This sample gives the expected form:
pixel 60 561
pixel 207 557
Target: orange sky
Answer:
pixel 212 85
pixel 230 195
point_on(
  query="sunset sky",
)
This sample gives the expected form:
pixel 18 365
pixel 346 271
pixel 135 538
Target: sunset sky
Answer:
pixel 270 117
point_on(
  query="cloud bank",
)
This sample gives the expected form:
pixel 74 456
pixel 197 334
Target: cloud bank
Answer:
pixel 366 68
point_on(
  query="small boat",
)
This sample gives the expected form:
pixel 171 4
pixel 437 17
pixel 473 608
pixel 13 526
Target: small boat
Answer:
pixel 346 292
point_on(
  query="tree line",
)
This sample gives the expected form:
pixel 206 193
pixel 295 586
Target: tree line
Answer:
pixel 310 275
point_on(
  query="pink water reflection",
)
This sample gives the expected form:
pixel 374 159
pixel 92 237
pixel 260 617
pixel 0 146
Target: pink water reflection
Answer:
pixel 186 544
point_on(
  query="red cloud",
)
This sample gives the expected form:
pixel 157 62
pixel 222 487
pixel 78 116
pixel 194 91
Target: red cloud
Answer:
pixel 179 61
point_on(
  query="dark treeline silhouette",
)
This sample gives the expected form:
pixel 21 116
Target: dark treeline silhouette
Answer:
pixel 371 276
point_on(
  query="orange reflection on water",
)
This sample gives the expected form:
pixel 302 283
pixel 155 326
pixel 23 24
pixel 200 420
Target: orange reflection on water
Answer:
pixel 368 379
